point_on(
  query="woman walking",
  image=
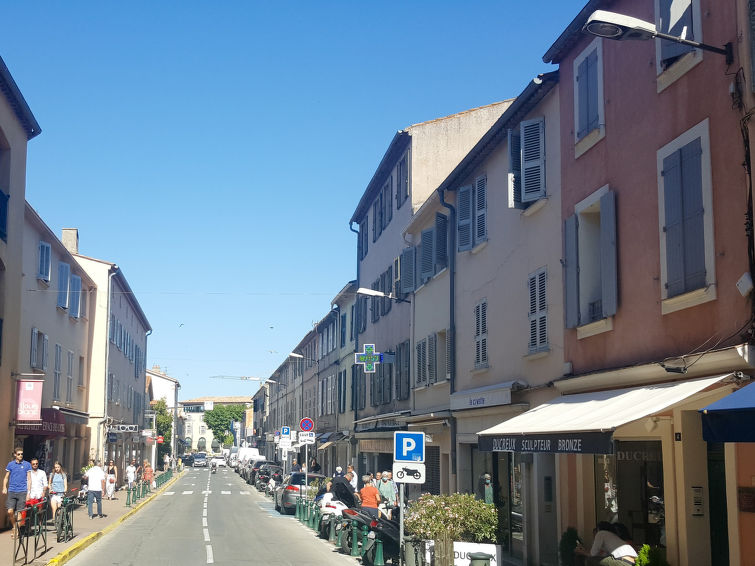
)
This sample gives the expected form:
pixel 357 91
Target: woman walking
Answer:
pixel 111 480
pixel 58 486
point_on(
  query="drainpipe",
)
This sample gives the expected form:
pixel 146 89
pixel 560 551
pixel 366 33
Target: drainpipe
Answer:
pixel 451 317
pixel 355 394
pixel 105 418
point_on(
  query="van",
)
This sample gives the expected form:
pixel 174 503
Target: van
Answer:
pixel 244 454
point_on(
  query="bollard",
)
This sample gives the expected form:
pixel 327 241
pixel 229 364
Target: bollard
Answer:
pixel 365 532
pixel 379 560
pixel 479 559
pixel 354 538
pixel 298 510
pixel 339 533
pixel 128 497
pixel 332 533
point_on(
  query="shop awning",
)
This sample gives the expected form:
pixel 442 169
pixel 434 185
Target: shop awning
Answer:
pixel 53 423
pixel 585 422
pixel 326 445
pixel 74 416
pixel 731 419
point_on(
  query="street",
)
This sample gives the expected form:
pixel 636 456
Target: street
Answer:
pixel 206 518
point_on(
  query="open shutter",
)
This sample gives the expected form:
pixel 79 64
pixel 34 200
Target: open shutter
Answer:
pixel 593 118
pixel 480 206
pixel 571 275
pixel 75 296
pixel 432 358
pixel 464 219
pixel 532 311
pixel 582 100
pixel 33 359
pixel 694 228
pixel 407 270
pixel 45 346
pixel 64 273
pixel 406 364
pixel 44 261
pixel 533 160
pixel 542 307
pixel 608 274
pixel 449 353
pixel 673 229
pixel 515 169
pixel 441 241
pixel 427 257
pixel 675 19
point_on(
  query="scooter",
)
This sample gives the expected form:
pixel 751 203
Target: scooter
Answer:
pixel 214 468
pixel 388 530
pixel 351 513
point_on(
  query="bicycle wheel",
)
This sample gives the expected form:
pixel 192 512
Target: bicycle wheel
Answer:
pixel 59 520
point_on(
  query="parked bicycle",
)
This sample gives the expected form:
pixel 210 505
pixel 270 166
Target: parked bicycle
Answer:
pixel 64 517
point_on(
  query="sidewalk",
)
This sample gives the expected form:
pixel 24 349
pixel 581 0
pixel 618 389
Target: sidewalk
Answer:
pixel 85 530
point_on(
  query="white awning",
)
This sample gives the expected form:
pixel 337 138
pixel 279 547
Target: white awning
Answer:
pixel 585 422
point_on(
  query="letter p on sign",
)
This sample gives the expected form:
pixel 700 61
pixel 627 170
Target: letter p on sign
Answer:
pixel 408 446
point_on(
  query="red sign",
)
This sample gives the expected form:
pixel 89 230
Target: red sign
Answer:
pixel 29 405
pixel 160 440
pixel 307 424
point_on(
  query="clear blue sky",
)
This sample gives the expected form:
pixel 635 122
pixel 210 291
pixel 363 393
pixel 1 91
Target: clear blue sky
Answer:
pixel 216 150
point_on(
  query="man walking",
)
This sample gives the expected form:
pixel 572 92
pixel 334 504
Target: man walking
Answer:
pixel 351 474
pixel 131 473
pixel 38 483
pixel 96 482
pixel 16 485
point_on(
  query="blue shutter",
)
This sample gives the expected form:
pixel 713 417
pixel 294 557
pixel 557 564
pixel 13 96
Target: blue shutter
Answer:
pixel 480 209
pixel 441 241
pixel 4 215
pixel 608 274
pixel 675 19
pixel 593 118
pixel 571 275
pixel 673 229
pixel 427 255
pixel 694 228
pixel 75 301
pixel 407 270
pixel 33 357
pixel 533 160
pixel 515 169
pixel 464 219
pixel 582 100
pixel 64 272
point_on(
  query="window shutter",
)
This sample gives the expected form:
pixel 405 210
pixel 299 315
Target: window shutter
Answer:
pixel 374 221
pixel 427 254
pixel 407 270
pixel 515 169
pixel 464 219
pixel 45 345
pixel 396 283
pixel 421 361
pixel 533 312
pixel 75 296
pixel 449 353
pixel 480 205
pixel 44 261
pixel 33 360
pixel 593 118
pixel 432 358
pixel 387 382
pixel 608 273
pixel 674 228
pixel 542 304
pixel 441 241
pixel 675 19
pixel 353 387
pixel 583 84
pixel 533 160
pixel 4 215
pixel 64 273
pixel 388 200
pixel 694 229
pixel 571 272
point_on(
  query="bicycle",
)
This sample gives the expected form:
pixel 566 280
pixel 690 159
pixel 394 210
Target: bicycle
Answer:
pixel 64 518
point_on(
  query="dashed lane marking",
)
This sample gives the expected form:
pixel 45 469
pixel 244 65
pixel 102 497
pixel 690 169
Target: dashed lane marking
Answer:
pixel 208 548
pixel 206 535
pixel 225 493
pixel 189 492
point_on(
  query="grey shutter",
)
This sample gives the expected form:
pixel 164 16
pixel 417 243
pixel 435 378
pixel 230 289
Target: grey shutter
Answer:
pixel 480 206
pixel 542 305
pixel 672 199
pixel 593 118
pixel 427 256
pixel 571 275
pixel 374 221
pixel 515 169
pixel 33 357
pixel 464 219
pixel 387 383
pixel 406 364
pixel 441 241
pixel 407 270
pixel 432 358
pixel 388 200
pixel 582 100
pixel 75 301
pixel 45 347
pixel 694 228
pixel 608 267
pixel 449 353
pixel 675 19
pixel 533 160
pixel 532 288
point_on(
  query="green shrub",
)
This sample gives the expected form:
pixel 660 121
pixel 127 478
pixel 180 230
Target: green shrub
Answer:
pixel 651 556
pixel 459 516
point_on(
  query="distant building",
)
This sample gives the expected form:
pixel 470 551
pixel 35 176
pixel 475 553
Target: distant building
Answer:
pixel 198 436
pixel 162 386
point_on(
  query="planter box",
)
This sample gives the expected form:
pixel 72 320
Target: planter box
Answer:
pixel 462 551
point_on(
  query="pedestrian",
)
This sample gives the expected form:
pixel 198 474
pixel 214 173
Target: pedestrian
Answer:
pixel 111 480
pixel 486 489
pixel 346 482
pixel 393 483
pixel 58 486
pixel 314 467
pixel 339 472
pixel 608 549
pixel 295 467
pixel 96 483
pixel 16 485
pixel 376 480
pixel 386 490
pixel 38 484
pixel 166 462
pixel 131 473
pixel 370 497
pixel 148 474
pixel 352 476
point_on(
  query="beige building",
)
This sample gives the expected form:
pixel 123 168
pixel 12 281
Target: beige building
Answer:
pixel 162 386
pixel 56 329
pixel 198 436
pixel 17 127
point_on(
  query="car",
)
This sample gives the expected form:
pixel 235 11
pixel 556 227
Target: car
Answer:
pixel 218 461
pixel 200 460
pixel 187 459
pixel 290 490
pixel 254 469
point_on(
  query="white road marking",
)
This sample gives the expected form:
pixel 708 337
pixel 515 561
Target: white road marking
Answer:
pixel 206 535
pixel 187 493
pixel 243 493
pixel 206 492
pixel 225 493
pixel 208 548
pixel 169 493
pixel 204 512
pixel 204 521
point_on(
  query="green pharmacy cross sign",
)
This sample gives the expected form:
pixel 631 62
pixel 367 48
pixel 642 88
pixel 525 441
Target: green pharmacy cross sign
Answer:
pixel 369 358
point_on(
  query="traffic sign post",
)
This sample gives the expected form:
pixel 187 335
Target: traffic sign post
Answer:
pixel 408 461
pixel 307 427
pixel 408 446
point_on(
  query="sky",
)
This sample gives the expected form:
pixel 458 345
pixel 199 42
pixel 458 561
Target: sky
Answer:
pixel 215 151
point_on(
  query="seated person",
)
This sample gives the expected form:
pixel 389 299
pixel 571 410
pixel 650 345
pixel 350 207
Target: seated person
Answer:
pixel 608 549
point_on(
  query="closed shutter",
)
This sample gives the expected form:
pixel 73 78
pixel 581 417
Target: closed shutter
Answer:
pixel 354 387
pixel 387 382
pixel 515 169
pixel 674 228
pixel 464 219
pixel 481 210
pixel 407 270
pixel 538 322
pixel 33 359
pixel 481 331
pixel 432 358
pixel 571 272
pixel 427 255
pixel 388 200
pixel 449 353
pixel 432 469
pixel 593 118
pixel 608 267
pixel 582 100
pixel 4 215
pixel 64 273
pixel 533 159
pixel 375 227
pixel 421 362
pixel 441 241
pixel 694 229
pixel 675 18
pixel 75 296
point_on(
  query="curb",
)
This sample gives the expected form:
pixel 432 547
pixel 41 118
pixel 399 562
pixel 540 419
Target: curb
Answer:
pixel 69 553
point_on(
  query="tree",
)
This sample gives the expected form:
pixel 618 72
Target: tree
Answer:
pixel 164 426
pixel 219 419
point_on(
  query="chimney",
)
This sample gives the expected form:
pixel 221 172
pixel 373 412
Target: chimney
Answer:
pixel 71 239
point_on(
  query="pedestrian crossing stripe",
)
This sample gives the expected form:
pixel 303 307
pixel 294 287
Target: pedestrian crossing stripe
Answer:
pixel 187 492
pixel 225 493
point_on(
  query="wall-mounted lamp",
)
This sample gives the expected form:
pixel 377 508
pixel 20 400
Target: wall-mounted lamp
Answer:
pixel 376 293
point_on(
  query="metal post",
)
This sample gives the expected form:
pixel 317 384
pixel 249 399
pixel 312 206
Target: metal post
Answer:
pixel 379 560
pixel 354 538
pixel 365 532
pixel 401 546
pixel 332 533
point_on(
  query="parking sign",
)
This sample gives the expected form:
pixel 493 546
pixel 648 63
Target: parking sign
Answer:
pixel 408 446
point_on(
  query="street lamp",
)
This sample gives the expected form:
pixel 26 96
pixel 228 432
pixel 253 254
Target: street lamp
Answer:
pixel 611 25
pixel 376 293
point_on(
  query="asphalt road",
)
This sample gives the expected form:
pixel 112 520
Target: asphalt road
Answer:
pixel 207 518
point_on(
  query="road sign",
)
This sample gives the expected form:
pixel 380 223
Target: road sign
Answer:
pixel 408 446
pixel 112 438
pixel 285 442
pixel 285 431
pixel 307 424
pixel 409 473
pixel 307 437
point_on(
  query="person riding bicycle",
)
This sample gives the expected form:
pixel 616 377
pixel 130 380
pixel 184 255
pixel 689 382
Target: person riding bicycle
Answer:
pixel 58 486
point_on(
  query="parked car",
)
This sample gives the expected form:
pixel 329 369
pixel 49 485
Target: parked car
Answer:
pixel 218 461
pixel 200 460
pixel 187 459
pixel 290 490
pixel 265 473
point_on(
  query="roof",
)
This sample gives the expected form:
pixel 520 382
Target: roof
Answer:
pixel 571 35
pixel 10 90
pixel 221 400
pixel 533 93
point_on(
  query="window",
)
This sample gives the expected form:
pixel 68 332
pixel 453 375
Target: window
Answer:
pixel 590 281
pixel 481 334
pixel 375 302
pixel 403 371
pixel 680 18
pixel 686 220
pixel 69 378
pixel 471 208
pixel 402 182
pixel 43 273
pixel 342 391
pixel 75 301
pixel 81 371
pixel 526 178
pixel 588 95
pixel 84 303
pixel 64 284
pixel 377 217
pixel 38 355
pixel 363 240
pixel 407 266
pixel 538 311
pixel 57 372
pixel 386 286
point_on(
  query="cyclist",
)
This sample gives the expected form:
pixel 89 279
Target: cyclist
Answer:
pixel 58 486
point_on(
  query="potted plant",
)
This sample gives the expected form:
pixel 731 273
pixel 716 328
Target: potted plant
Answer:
pixel 651 556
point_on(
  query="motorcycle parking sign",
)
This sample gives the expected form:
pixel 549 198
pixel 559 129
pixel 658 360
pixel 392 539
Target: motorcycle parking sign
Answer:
pixel 405 472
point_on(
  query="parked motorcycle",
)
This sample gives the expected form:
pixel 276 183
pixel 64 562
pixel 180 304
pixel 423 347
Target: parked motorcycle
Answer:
pixel 388 530
pixel 351 513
